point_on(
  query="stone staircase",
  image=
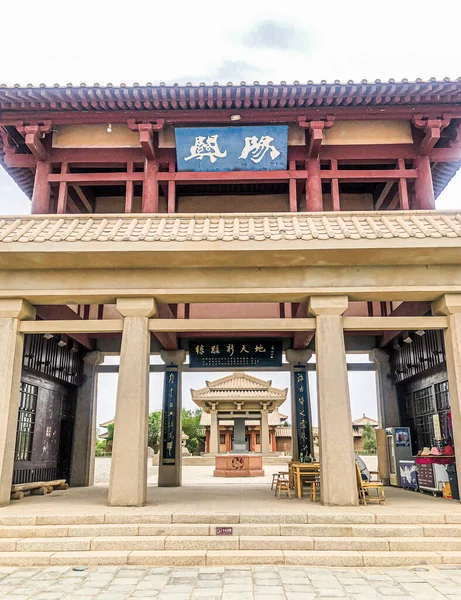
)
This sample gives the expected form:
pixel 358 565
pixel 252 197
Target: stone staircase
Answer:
pixel 321 539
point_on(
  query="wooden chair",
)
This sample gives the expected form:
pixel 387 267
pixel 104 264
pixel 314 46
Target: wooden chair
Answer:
pixel 315 489
pixel 283 485
pixel 277 476
pixel 365 487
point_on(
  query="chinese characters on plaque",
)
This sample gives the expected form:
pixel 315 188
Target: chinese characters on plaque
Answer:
pixel 253 148
pixel 170 411
pixel 252 352
pixel 302 405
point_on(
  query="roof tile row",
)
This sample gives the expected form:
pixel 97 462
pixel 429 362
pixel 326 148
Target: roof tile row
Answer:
pixel 229 228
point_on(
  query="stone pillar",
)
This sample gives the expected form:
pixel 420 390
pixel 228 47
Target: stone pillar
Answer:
pixel 265 447
pixel 239 435
pixel 337 466
pixel 214 432
pixel 83 450
pixel 299 358
pixel 12 344
pixel 386 393
pixel 170 462
pixel 450 305
pixel 128 473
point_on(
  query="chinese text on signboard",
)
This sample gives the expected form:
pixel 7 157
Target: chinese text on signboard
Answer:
pixel 303 418
pixel 232 148
pixel 252 352
pixel 170 410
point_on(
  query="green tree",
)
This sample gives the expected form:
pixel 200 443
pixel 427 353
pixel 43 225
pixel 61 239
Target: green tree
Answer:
pixel 369 439
pixel 110 432
pixel 153 434
pixel 191 427
pixel 100 447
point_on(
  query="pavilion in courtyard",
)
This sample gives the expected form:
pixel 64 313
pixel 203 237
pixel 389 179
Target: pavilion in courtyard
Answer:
pixel 240 414
pixel 226 227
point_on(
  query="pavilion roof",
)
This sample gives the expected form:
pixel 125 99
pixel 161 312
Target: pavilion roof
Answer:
pixel 244 95
pixel 364 420
pixel 239 386
pixel 375 97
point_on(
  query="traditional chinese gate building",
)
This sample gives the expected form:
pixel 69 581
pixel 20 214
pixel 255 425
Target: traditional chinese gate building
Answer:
pixel 240 413
pixel 301 214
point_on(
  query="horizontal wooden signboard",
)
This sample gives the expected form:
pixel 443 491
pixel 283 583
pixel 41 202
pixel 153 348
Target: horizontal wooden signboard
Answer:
pixel 228 352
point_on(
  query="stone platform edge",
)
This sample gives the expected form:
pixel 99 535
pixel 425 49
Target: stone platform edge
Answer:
pixel 132 517
pixel 227 558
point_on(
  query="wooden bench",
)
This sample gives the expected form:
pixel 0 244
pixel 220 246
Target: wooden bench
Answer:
pixel 37 488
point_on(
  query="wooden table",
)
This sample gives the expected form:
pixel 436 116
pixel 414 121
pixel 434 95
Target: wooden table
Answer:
pixel 302 471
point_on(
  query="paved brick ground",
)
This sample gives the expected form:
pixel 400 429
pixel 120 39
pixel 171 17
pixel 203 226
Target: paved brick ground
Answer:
pixel 229 583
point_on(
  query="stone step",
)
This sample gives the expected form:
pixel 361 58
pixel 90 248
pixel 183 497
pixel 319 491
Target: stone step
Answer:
pixel 327 530
pixel 326 558
pixel 228 543
pixel 316 517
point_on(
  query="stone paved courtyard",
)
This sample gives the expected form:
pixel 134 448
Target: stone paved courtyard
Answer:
pixel 230 583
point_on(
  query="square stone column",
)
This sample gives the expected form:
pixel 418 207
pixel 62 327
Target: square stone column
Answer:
pixel 450 305
pixel 337 465
pixel 170 460
pixel 12 344
pixel 265 445
pixel 388 405
pixel 83 450
pixel 128 473
pixel 214 432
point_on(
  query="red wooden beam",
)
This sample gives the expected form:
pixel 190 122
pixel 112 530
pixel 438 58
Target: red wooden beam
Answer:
pixel 383 195
pixel 146 141
pixel 424 188
pixel 120 156
pixel 432 129
pixel 150 188
pixel 335 188
pixel 171 192
pixel 129 190
pixel 281 115
pixel 95 178
pixel 85 197
pixel 403 188
pixel 32 139
pixel 62 196
pixel 292 189
pixel 42 192
pixel 367 175
pixel 315 129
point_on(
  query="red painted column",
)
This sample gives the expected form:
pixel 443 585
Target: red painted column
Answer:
pixel 228 441
pixel 207 440
pixel 314 201
pixel 41 194
pixel 274 444
pixel 424 189
pixel 150 188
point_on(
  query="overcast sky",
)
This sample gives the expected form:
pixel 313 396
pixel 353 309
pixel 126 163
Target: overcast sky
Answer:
pixel 56 42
